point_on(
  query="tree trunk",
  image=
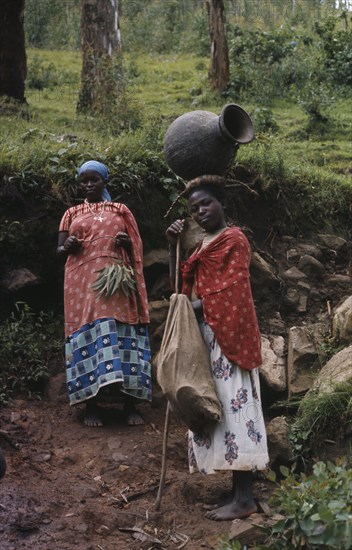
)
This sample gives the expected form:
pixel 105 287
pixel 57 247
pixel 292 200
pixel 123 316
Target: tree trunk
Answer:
pixel 219 71
pixel 101 49
pixel 13 65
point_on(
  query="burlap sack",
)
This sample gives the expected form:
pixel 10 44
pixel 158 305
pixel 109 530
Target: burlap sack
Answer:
pixel 184 372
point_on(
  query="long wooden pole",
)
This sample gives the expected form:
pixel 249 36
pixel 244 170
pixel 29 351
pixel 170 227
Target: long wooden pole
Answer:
pixel 167 414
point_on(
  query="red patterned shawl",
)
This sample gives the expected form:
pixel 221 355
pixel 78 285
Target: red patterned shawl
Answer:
pixel 219 275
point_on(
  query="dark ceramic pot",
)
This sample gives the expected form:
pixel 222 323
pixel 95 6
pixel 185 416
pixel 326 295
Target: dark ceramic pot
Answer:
pixel 200 142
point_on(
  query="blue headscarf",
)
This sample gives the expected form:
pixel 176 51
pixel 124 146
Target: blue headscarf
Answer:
pixel 99 167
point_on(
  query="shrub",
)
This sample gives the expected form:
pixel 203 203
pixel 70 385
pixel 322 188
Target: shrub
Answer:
pixel 317 509
pixel 29 341
pixel 321 416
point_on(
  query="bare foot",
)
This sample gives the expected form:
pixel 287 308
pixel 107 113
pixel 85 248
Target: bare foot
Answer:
pixel 92 416
pixel 222 502
pixel 133 418
pixel 232 511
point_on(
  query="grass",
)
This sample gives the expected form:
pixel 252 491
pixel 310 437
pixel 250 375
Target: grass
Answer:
pixel 159 89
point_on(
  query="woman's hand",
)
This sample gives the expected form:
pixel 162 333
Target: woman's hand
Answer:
pixel 124 240
pixel 71 244
pixel 173 231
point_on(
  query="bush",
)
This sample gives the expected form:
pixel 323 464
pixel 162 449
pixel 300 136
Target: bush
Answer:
pixel 321 416
pixel 317 509
pixel 29 342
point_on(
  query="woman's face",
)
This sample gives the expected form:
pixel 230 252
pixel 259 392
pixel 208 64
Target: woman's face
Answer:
pixel 207 211
pixel 92 185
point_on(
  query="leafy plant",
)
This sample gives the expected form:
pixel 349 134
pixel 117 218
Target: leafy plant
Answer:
pixel 317 509
pixel 29 341
pixel 263 120
pixel 321 416
pixel 225 544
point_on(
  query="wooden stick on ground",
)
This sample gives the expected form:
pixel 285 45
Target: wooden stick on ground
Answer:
pixel 167 414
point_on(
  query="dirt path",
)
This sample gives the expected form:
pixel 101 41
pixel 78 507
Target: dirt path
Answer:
pixel 66 485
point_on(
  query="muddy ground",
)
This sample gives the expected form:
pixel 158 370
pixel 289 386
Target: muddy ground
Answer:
pixel 70 486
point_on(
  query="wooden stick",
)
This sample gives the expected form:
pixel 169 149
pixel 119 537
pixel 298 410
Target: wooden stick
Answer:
pixel 167 414
pixel 163 457
pixel 134 496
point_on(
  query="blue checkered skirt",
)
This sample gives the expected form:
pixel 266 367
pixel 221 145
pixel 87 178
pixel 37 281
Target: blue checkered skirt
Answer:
pixel 107 352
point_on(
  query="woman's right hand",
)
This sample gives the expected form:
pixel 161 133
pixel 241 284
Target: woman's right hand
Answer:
pixel 71 244
pixel 174 230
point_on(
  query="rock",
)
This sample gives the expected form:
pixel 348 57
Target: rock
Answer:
pixel 311 267
pixel 279 446
pixel 16 279
pixel 262 273
pixel 342 321
pixel 339 279
pixel 294 274
pixel 249 531
pixel 302 354
pixel 191 237
pixel 293 255
pixel 332 242
pixel 158 311
pixel 276 324
pixel 310 250
pixel 273 370
pixel 159 256
pixel 160 288
pixel 266 286
pixel 292 297
pixel 302 303
pixel 337 370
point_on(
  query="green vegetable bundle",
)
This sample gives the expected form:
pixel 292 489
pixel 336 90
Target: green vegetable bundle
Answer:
pixel 117 276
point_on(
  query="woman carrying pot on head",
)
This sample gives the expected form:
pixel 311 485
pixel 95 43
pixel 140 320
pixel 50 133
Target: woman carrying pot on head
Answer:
pixel 106 309
pixel 216 279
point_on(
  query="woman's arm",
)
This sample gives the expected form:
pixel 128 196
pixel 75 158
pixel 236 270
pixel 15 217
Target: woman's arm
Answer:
pixel 67 244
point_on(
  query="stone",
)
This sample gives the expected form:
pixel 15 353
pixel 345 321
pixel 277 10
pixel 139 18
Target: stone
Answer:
pixel 337 370
pixel 266 286
pixel 17 279
pixel 339 279
pixel 294 274
pixel 191 236
pixel 160 288
pixel 159 256
pixel 342 321
pixel 276 324
pixel 279 446
pixel 302 354
pixel 310 250
pixel 158 311
pixel 292 296
pixel 302 303
pixel 332 242
pixel 293 255
pixel 311 267
pixel 273 369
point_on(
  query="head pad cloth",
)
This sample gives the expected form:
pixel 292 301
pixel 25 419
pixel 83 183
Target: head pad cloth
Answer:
pixel 96 166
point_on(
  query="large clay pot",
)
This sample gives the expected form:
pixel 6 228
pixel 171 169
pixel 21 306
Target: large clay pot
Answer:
pixel 200 142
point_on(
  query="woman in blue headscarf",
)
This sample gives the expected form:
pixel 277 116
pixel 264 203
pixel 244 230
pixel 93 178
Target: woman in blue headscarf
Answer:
pixel 106 308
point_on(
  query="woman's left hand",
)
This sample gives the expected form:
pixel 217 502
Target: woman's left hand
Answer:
pixel 123 239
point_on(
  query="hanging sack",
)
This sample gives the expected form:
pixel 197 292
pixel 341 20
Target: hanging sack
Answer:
pixel 184 370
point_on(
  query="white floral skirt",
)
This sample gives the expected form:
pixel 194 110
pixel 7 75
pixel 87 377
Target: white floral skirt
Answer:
pixel 238 442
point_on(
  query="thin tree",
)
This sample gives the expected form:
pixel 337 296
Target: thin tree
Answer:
pixel 219 71
pixel 101 49
pixel 13 64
